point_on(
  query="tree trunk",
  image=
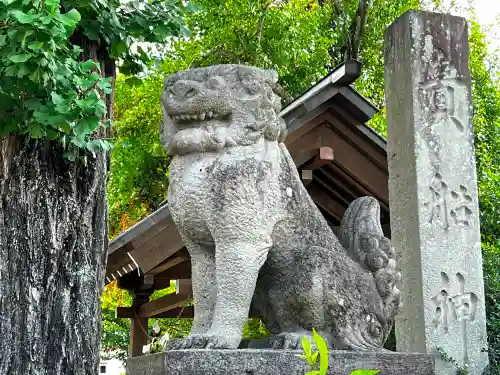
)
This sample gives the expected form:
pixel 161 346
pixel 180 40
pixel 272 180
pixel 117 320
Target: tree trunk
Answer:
pixel 53 242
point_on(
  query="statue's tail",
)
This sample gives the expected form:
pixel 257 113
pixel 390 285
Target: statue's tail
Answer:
pixel 362 236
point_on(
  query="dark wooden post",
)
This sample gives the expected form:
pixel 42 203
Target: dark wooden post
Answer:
pixel 138 326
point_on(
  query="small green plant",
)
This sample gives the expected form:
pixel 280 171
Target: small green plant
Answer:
pixel 446 358
pixel 312 357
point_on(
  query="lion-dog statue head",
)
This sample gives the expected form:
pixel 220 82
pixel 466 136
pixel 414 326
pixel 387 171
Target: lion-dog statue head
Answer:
pixel 208 109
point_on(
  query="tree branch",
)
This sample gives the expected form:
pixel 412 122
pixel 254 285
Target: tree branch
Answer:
pixel 356 30
pixel 260 28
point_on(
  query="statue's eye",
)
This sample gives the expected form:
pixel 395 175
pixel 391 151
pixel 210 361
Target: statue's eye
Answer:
pixel 375 330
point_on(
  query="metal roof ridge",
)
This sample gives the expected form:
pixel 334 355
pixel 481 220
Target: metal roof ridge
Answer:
pixel 344 74
pixel 146 219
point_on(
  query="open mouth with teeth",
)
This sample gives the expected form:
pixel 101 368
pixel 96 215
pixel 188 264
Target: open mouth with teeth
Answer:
pixel 196 117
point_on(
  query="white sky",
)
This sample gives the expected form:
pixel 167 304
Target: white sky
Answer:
pixel 487 13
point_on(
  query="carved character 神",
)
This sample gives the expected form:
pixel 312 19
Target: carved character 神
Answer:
pixel 254 235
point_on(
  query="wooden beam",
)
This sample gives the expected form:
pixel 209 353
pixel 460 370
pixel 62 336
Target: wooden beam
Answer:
pixel 325 202
pixel 157 248
pixel 167 264
pixel 138 336
pixel 358 165
pixel 340 192
pixel 324 155
pixel 179 271
pixel 186 312
pixel 177 312
pixel 307 176
pixel 162 304
pixel 304 148
pixel 184 286
pixel 138 325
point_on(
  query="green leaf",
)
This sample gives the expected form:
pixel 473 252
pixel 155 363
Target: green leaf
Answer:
pixel 185 32
pixel 306 345
pixel 35 76
pixel 323 352
pixel 192 7
pixel 70 155
pixel 20 58
pixel 36 131
pixel 71 18
pixel 51 133
pixel 7 127
pixel 87 65
pixel 314 359
pixel 11 71
pixel 133 81
pixel 105 85
pixel 12 33
pixel 35 45
pixel 22 71
pixel 87 125
pixel 56 98
pixel 2 40
pixel 314 372
pixel 90 80
pixel 52 5
pixel 46 20
pixel 105 145
pixel 32 103
pixel 79 142
pixel 118 48
pixel 24 18
pixel 365 372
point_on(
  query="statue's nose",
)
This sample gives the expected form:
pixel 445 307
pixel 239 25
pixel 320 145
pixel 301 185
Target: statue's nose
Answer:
pixel 185 89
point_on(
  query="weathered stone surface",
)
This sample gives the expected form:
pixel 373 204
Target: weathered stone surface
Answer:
pixel 267 362
pixel 433 192
pixel 253 232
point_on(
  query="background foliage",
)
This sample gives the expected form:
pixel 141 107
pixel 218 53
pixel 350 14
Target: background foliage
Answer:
pixel 58 63
pixel 302 40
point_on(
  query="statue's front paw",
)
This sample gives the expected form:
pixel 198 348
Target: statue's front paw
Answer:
pixel 204 341
pixel 191 342
pixel 218 341
pixel 288 341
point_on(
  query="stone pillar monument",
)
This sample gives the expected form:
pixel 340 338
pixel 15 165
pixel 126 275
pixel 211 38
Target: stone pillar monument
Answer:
pixel 433 191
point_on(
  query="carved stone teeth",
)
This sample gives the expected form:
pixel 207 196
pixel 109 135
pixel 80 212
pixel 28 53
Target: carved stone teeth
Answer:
pixel 201 116
pixel 210 114
pixel 183 117
pixel 216 115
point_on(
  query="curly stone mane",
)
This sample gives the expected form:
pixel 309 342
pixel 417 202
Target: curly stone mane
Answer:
pixel 245 95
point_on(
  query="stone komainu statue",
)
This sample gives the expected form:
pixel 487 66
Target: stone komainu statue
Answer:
pixel 255 236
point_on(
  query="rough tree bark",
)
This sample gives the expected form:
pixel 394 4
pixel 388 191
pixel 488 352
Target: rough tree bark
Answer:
pixel 53 246
pixel 53 242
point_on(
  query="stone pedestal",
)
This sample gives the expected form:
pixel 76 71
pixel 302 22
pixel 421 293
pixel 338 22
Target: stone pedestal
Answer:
pixel 273 362
pixel 433 191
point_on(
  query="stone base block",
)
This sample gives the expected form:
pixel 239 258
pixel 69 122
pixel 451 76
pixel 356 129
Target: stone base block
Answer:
pixel 274 362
